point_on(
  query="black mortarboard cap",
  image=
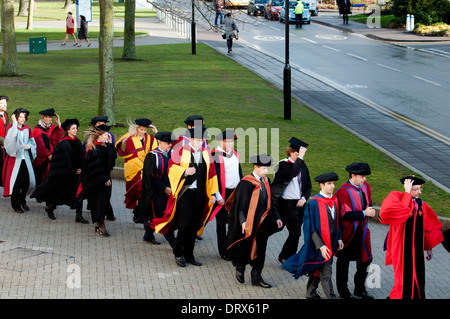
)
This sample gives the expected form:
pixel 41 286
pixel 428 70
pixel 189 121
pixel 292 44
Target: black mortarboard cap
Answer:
pixel 296 143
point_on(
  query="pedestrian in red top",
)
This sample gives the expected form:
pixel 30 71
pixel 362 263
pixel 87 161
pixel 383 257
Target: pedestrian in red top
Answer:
pixel 70 29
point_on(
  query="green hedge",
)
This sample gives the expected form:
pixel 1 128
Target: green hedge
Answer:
pixel 425 11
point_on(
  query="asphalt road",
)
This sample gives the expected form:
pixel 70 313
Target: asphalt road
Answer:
pixel 412 83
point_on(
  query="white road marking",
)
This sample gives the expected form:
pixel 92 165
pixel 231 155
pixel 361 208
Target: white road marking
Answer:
pixel 431 82
pixel 331 48
pixel 309 40
pixel 357 56
pixel 388 67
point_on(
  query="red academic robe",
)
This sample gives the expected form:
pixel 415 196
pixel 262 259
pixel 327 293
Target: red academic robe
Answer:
pixel 412 230
pixel 350 201
pixel 46 141
pixel 178 164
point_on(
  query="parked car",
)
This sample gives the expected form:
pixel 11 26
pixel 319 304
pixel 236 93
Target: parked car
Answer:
pixel 256 7
pixel 236 3
pixel 313 7
pixel 306 13
pixel 272 9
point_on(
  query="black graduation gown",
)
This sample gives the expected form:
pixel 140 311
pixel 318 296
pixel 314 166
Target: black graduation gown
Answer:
pixel 61 184
pixel 96 172
pixel 240 247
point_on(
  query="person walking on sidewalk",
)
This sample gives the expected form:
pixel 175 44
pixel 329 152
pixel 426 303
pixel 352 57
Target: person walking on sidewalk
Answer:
pixel 230 27
pixel 70 29
pixel 83 31
pixel 96 175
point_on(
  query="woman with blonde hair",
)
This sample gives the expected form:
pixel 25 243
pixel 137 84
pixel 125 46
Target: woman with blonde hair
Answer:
pixel 133 147
pixel 96 180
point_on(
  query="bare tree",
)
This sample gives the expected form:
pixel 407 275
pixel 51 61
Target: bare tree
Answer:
pixel 106 61
pixel 10 62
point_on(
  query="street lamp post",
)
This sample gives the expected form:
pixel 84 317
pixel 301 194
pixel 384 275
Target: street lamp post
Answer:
pixel 287 67
pixel 194 49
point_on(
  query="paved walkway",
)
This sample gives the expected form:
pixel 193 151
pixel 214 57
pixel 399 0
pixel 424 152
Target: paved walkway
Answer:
pixel 61 259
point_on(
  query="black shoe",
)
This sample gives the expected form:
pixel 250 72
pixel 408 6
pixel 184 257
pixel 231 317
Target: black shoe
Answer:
pixel 50 213
pixel 363 295
pixel 101 232
pixel 180 261
pixel 199 237
pixel 193 262
pixel 240 276
pixel 226 257
pixel 80 219
pixel 262 283
pixel 25 207
pixel 152 241
pixel 18 210
pixel 347 296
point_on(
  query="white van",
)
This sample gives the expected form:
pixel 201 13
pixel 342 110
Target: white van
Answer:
pixel 313 8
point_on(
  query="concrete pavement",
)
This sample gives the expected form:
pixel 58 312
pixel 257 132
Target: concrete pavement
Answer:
pixel 41 258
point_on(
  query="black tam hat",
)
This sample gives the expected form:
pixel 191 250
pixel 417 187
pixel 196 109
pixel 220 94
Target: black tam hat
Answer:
pixel 49 112
pixel 358 168
pixel 261 160
pixel 416 180
pixel 97 119
pixel 165 136
pixel 68 123
pixel 226 135
pixel 143 122
pixel 193 120
pixel 327 177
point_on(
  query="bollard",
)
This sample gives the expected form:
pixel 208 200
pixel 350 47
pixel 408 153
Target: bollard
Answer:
pixel 408 22
pixel 412 22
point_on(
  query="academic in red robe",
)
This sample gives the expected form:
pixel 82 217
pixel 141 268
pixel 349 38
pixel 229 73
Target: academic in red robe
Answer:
pixel 414 227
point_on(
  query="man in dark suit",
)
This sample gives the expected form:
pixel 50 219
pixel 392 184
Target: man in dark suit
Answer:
pixel 346 6
pixel 291 189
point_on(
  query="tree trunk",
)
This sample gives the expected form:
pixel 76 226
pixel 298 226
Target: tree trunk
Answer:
pixel 67 4
pixel 10 62
pixel 23 8
pixel 30 15
pixel 106 60
pixel 129 49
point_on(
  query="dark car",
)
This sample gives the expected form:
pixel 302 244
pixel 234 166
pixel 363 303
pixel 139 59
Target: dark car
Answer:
pixel 272 9
pixel 256 7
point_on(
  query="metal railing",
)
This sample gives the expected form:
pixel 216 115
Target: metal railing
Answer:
pixel 176 22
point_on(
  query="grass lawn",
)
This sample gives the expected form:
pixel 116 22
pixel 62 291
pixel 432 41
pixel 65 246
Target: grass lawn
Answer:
pixel 22 34
pixel 53 10
pixel 168 84
pixel 386 21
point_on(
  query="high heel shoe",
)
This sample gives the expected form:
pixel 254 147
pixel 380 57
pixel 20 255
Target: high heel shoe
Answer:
pixel 101 232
